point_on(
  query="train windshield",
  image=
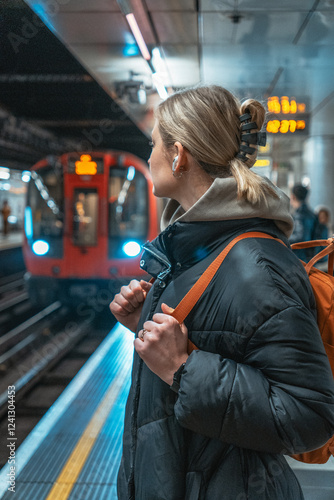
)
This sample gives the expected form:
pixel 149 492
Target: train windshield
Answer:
pixel 128 210
pixel 45 211
pixel 85 217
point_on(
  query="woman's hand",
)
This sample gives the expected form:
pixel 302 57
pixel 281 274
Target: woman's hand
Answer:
pixel 162 344
pixel 128 303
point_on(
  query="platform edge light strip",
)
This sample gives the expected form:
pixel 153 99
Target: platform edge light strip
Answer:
pixel 51 417
pixel 76 461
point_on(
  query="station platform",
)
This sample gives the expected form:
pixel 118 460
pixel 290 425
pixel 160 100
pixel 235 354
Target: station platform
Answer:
pixel 317 480
pixel 75 450
pixel 11 255
pixel 12 240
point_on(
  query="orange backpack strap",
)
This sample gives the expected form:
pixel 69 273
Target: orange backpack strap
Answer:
pixel 191 298
pixel 329 250
pixel 309 244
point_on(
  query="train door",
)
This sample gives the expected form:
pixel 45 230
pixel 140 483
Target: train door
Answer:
pixel 85 217
pixel 84 242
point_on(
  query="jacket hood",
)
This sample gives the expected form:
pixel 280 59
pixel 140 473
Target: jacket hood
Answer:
pixel 220 202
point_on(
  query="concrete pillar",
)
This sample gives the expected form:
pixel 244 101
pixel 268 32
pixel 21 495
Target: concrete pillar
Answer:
pixel 319 167
pixel 318 156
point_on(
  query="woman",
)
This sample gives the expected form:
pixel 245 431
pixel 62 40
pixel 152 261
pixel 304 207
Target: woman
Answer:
pixel 323 230
pixel 5 214
pixel 215 424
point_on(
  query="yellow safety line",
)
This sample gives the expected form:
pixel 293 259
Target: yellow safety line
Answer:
pixel 71 470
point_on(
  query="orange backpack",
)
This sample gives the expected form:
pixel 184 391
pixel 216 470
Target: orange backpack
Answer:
pixel 323 288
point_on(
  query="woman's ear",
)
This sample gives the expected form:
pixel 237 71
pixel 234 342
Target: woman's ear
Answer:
pixel 180 160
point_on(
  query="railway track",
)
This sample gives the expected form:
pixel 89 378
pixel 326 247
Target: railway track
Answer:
pixel 15 306
pixel 11 282
pixel 40 356
pixel 28 335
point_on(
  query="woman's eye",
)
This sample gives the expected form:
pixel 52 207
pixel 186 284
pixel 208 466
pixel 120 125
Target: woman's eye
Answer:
pixel 151 144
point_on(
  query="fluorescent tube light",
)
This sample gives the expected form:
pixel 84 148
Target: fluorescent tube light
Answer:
pixel 161 89
pixel 158 62
pixel 138 36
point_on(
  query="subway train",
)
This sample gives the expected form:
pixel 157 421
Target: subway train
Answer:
pixel 85 220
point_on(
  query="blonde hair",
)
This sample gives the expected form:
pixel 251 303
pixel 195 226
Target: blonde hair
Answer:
pixel 205 120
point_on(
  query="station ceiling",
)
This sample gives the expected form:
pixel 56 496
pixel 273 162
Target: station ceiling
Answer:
pixel 72 69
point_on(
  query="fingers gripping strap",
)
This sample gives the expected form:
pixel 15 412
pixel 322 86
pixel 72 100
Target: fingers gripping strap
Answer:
pixel 189 300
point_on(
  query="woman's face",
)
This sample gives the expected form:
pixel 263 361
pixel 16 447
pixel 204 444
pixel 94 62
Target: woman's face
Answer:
pixel 160 163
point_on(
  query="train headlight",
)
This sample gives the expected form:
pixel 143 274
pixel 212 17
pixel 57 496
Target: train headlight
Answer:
pixel 131 248
pixel 40 247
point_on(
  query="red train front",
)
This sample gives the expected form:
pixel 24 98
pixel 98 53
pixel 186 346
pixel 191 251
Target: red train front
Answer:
pixel 87 216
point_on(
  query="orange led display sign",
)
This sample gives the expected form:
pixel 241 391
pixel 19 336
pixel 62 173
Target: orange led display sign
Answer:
pixel 85 166
pixel 287 115
pixel 285 105
pixel 284 126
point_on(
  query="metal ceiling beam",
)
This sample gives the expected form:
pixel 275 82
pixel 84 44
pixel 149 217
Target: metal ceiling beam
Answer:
pixel 14 147
pixel 20 134
pixel 45 78
pixel 305 23
pixel 105 122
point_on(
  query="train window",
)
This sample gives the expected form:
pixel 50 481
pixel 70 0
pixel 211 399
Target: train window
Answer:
pixel 128 210
pixel 45 202
pixel 85 216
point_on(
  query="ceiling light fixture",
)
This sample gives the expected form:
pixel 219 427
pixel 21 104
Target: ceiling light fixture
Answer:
pixel 138 36
pixel 127 11
pixel 159 85
pixel 156 63
pixel 160 73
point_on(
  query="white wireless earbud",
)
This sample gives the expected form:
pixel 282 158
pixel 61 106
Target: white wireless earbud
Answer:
pixel 174 163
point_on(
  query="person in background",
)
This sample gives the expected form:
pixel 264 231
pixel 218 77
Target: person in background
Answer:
pixel 324 229
pixel 5 211
pixel 305 221
pixel 322 232
pixel 214 423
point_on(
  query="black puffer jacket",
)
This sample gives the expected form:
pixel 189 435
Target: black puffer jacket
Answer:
pixel 259 387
